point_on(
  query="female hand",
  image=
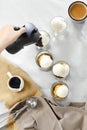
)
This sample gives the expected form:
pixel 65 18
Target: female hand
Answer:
pixel 8 35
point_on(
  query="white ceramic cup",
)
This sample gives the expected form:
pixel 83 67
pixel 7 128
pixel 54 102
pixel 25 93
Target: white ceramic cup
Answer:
pixel 15 82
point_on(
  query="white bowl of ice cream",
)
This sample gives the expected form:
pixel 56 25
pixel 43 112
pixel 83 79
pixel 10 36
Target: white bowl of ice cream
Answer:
pixel 60 90
pixel 44 60
pixel 45 39
pixel 61 69
pixel 58 25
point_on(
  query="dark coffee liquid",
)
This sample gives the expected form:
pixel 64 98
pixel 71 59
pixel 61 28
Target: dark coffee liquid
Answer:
pixel 14 82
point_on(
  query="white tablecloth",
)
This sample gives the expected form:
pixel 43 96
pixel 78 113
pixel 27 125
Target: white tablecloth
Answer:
pixel 72 48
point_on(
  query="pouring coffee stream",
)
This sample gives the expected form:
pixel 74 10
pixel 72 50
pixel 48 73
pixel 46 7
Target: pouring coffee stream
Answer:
pixel 32 36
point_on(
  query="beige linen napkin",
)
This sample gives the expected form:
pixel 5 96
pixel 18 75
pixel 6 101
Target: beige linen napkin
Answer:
pixel 11 98
pixel 50 116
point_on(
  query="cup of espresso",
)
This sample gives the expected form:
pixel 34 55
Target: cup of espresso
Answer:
pixel 78 11
pixel 15 82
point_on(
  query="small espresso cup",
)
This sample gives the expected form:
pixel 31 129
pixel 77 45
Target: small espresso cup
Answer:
pixel 15 82
pixel 78 11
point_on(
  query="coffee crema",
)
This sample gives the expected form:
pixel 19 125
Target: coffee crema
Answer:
pixel 78 10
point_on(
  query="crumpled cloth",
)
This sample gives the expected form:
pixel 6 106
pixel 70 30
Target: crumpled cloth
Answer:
pixel 48 115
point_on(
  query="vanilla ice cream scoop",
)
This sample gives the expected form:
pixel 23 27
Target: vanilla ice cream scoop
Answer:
pixel 60 90
pixel 45 38
pixel 61 69
pixel 58 24
pixel 44 60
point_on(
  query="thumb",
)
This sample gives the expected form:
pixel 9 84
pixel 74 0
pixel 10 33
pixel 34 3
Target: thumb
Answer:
pixel 21 31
